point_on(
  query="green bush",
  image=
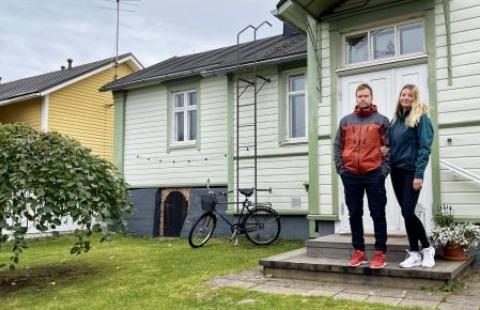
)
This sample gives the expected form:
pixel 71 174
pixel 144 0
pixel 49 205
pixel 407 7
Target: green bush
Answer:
pixel 45 177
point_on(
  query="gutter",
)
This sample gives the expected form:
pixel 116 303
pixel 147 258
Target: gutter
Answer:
pixel 19 98
pixel 204 73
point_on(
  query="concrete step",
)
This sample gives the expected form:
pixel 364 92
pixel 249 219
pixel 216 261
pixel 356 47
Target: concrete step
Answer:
pixel 297 265
pixel 340 246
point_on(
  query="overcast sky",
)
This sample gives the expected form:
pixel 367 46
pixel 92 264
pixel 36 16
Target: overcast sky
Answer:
pixel 38 36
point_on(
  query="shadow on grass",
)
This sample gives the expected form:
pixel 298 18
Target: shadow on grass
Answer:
pixel 43 276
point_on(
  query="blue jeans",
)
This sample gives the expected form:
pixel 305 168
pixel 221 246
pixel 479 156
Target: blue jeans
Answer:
pixel 373 183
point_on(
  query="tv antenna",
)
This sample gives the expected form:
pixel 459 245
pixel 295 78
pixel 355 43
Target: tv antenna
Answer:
pixel 117 9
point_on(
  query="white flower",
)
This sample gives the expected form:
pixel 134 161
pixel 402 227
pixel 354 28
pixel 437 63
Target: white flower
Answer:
pixel 466 235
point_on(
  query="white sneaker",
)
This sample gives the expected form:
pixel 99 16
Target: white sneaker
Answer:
pixel 428 257
pixel 414 259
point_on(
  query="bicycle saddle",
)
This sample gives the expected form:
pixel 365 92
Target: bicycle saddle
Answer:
pixel 246 191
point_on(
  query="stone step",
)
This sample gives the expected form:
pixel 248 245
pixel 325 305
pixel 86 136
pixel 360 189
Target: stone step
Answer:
pixel 340 246
pixel 297 265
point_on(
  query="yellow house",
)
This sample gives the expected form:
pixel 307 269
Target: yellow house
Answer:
pixel 69 101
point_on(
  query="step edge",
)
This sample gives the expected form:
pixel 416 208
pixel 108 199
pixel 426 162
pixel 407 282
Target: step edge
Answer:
pixel 439 275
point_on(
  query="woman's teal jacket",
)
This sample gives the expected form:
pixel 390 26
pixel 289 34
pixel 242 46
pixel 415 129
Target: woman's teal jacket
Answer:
pixel 410 148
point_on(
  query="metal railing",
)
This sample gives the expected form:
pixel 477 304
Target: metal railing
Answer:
pixel 460 171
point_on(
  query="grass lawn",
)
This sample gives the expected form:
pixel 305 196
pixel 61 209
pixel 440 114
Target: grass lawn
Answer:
pixel 137 273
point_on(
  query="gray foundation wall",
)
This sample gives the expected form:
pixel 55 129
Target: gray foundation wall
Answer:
pixel 145 218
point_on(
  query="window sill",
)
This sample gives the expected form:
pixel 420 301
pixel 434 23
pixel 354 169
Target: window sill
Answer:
pixel 365 66
pixel 181 146
pixel 294 141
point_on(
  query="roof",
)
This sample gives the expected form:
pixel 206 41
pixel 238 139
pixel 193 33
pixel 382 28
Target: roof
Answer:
pixel 37 84
pixel 221 60
pixel 314 7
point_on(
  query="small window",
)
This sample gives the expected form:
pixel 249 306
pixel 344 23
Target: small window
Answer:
pixel 411 38
pixel 296 115
pixel 357 48
pixel 185 116
pixel 383 43
pixel 179 100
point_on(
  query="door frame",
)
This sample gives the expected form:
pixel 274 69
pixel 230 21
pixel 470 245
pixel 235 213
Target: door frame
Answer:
pixel 424 9
pixel 393 210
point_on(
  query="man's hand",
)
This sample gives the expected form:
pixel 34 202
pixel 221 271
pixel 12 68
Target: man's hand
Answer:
pixel 384 150
pixel 417 184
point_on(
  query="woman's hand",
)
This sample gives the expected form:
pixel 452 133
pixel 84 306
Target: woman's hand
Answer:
pixel 384 150
pixel 417 184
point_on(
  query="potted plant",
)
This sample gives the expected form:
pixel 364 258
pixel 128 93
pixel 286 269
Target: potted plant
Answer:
pixel 453 237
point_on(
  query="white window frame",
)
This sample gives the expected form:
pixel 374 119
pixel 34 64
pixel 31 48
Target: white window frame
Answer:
pixel 186 125
pixel 396 35
pixel 288 130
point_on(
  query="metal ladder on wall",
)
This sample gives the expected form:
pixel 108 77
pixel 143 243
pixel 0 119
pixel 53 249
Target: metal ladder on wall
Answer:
pixel 255 84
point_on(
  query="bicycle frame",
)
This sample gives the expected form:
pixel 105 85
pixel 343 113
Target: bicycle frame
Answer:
pixel 245 205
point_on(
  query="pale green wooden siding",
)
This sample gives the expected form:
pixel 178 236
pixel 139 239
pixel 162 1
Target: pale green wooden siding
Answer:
pixel 459 102
pixel 146 159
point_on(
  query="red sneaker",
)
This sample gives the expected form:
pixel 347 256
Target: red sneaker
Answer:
pixel 358 257
pixel 378 260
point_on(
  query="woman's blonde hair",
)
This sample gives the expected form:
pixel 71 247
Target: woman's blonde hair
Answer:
pixel 418 108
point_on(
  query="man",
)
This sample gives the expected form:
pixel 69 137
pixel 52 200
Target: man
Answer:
pixel 362 168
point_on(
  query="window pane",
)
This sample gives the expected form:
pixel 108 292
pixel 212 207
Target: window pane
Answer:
pixel 178 100
pixel 411 38
pixel 357 48
pixel 296 83
pixel 192 98
pixel 383 43
pixel 297 116
pixel 192 125
pixel 179 126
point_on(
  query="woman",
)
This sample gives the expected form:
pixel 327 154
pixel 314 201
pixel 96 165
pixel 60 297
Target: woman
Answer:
pixel 411 137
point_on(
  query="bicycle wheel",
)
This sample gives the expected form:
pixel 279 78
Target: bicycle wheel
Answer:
pixel 202 230
pixel 262 226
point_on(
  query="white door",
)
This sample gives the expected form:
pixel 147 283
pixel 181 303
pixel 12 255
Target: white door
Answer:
pixel 386 86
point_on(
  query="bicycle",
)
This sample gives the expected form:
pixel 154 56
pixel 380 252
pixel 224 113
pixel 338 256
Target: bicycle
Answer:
pixel 260 223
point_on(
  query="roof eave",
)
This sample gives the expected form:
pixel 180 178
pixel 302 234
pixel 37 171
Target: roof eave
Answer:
pixel 195 73
pixel 295 12
pixel 291 13
pixel 19 98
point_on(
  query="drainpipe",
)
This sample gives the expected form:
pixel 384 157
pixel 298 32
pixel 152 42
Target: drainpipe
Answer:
pixel 446 15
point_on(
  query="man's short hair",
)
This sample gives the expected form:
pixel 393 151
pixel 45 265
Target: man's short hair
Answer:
pixel 364 86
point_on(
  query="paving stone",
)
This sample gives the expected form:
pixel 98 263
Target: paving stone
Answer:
pixel 449 306
pixel 392 292
pixel 464 300
pixel 384 300
pixel 265 288
pixel 427 296
pixel 361 289
pixel 350 296
pixel 301 284
pixel 468 291
pixel 325 292
pixel 409 302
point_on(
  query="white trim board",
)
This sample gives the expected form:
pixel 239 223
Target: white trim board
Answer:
pixel 132 62
pixel 44 124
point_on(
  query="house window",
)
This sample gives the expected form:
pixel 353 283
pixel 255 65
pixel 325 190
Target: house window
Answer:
pixel 384 43
pixel 411 38
pixel 184 116
pixel 357 48
pixel 296 107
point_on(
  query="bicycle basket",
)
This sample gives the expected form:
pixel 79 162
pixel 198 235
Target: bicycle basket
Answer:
pixel 208 202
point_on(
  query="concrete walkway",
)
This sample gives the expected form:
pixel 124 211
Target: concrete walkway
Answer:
pixel 466 297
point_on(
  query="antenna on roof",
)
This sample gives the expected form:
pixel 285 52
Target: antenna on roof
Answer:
pixel 117 29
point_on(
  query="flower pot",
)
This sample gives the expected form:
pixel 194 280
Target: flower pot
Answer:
pixel 455 253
